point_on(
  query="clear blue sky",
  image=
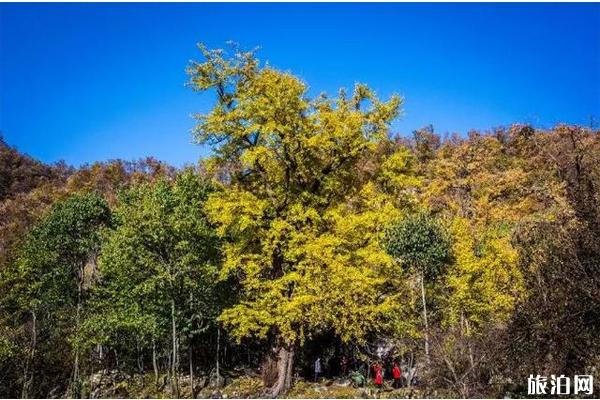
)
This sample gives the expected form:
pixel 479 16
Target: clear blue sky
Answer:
pixel 86 82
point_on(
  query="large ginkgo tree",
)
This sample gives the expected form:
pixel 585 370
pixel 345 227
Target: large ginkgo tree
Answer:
pixel 300 215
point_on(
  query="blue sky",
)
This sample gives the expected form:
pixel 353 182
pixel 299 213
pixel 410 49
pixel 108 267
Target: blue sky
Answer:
pixel 87 82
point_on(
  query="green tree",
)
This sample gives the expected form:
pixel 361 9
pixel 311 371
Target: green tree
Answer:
pixel 46 285
pixel 157 270
pixel 418 242
pixel 307 261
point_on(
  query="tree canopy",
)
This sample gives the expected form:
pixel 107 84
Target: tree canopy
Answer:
pixel 311 232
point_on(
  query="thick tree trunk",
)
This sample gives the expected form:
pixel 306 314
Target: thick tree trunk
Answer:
pixel 425 317
pixel 290 371
pixel 285 367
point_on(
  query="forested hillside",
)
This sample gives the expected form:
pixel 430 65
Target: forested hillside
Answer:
pixel 312 232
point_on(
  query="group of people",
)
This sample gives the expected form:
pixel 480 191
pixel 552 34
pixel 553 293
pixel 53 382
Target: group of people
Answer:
pixel 378 373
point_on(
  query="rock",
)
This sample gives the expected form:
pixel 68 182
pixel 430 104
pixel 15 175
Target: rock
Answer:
pixel 217 382
pixel 342 382
pixel 108 376
pixel 201 382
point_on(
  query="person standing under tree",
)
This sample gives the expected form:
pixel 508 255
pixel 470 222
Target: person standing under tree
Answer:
pixel 397 374
pixel 344 366
pixel 318 368
pixel 378 375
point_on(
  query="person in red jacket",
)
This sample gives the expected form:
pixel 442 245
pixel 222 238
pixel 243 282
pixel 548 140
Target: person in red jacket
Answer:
pixel 397 374
pixel 378 375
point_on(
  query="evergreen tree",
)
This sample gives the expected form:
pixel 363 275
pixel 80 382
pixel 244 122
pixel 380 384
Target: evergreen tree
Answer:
pixel 419 243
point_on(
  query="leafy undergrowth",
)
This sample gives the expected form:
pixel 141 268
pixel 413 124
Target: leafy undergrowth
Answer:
pixel 303 389
pixel 252 387
pixel 243 388
pixel 341 390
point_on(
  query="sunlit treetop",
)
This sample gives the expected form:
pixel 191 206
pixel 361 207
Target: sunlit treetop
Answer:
pixel 301 218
